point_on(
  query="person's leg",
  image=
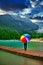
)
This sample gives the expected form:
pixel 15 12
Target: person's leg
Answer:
pixel 25 46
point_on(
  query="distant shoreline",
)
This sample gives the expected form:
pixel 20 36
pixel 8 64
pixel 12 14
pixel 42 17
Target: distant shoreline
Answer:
pixel 37 40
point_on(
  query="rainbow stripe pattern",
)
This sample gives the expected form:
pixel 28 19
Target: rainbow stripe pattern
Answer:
pixel 25 38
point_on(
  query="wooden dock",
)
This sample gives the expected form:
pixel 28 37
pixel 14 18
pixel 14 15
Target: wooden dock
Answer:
pixel 21 52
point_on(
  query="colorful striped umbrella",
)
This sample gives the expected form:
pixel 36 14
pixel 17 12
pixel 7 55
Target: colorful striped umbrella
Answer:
pixel 25 38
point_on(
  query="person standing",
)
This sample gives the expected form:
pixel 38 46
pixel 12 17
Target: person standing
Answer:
pixel 25 38
pixel 25 46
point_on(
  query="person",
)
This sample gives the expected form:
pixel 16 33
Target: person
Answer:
pixel 25 38
pixel 25 46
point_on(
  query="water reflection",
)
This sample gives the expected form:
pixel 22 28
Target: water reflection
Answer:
pixel 11 59
pixel 25 62
pixel 28 61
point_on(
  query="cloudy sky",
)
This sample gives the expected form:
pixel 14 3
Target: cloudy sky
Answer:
pixel 25 9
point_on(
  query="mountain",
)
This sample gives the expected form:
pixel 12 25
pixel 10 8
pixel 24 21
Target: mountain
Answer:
pixel 9 22
pixel 40 24
pixel 40 30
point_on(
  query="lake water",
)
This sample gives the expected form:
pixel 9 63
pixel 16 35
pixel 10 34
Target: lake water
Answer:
pixel 18 44
pixel 11 59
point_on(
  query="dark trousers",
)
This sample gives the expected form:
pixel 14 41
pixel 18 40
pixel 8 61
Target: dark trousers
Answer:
pixel 25 46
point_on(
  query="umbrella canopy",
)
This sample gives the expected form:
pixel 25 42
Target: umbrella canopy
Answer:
pixel 25 38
